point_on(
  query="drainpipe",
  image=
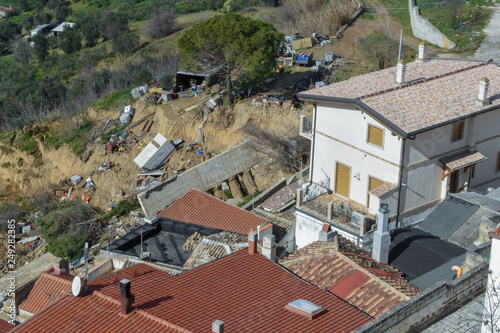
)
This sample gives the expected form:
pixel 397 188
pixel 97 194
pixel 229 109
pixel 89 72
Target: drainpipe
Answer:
pixel 401 166
pixel 313 143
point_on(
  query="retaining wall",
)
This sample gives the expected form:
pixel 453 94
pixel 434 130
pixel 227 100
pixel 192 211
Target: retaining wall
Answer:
pixel 423 29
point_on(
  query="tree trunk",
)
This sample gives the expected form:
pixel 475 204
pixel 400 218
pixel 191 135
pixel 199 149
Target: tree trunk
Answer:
pixel 229 88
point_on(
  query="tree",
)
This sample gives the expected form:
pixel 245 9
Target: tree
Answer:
pixel 41 47
pixel 161 25
pixel 231 42
pixel 113 24
pixel 22 52
pixel 454 10
pixel 67 229
pixel 89 26
pixel 125 44
pixel 70 41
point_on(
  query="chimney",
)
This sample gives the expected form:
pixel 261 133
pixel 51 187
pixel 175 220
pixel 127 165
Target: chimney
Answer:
pixel 269 247
pixel 62 266
pixel 326 234
pixel 252 242
pixel 127 298
pixel 299 198
pixel 400 74
pixel 422 52
pixel 218 326
pixel 381 237
pixel 329 212
pixel 482 98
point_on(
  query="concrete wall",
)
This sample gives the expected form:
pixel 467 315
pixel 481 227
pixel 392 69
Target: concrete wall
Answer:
pixel 202 177
pixel 423 29
pixel 430 305
pixel 341 136
pixel 308 226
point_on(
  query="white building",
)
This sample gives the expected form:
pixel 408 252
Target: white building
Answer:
pixel 408 135
pixel 61 27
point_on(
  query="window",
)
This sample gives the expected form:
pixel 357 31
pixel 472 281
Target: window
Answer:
pixel 375 135
pixel 498 162
pixel 458 131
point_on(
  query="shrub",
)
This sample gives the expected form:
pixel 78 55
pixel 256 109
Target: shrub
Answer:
pixel 6 165
pixel 20 162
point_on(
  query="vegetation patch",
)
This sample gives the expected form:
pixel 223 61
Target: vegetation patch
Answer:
pixel 6 165
pixel 20 162
pixel 75 139
pixel 26 143
pixel 113 100
pixel 123 208
pixel 384 50
pixel 249 198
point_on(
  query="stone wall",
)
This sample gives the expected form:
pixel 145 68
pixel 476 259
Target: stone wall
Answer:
pixel 431 304
pixel 423 29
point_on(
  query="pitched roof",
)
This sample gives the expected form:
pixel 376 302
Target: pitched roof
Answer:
pixel 202 209
pixel 47 289
pixel 247 292
pixel 358 279
pixel 463 159
pixel 92 313
pixel 449 216
pixel 5 326
pixel 382 189
pixel 425 259
pixel 437 92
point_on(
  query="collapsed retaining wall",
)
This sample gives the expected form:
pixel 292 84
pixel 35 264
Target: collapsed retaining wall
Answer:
pixel 423 29
pixel 431 304
pixel 202 177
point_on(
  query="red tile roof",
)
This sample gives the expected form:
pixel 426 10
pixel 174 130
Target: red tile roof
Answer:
pixel 5 326
pixel 247 292
pixel 372 287
pixel 92 313
pixel 202 209
pixel 47 289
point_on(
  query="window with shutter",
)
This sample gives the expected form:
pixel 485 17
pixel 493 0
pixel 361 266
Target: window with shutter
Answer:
pixel 458 131
pixel 375 135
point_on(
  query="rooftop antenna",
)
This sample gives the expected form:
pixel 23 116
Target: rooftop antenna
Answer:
pixel 400 45
pixel 85 256
pixel 76 286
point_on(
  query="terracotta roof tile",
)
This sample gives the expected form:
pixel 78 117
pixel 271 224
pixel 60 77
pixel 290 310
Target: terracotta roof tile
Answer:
pixel 355 277
pixel 5 326
pixel 374 82
pixel 463 159
pixel 92 313
pixel 202 209
pixel 247 292
pixel 47 289
pixel 382 189
pixel 436 92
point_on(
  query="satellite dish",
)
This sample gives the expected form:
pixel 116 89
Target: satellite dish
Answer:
pixel 76 287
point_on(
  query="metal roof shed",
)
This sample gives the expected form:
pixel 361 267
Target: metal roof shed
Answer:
pixel 156 153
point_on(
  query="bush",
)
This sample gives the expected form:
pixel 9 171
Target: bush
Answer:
pixel 6 165
pixel 125 44
pixel 20 162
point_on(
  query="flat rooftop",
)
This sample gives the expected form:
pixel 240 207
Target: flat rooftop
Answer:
pixel 164 240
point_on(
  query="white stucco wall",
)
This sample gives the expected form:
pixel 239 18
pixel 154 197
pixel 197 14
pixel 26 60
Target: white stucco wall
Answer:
pixel 342 137
pixel 306 229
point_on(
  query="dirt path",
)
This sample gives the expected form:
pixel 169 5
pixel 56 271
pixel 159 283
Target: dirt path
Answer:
pixel 490 47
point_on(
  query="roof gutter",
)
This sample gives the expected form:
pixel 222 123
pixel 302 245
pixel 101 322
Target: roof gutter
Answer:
pixel 318 98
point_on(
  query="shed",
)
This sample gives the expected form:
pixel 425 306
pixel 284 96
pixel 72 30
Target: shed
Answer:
pixel 156 153
pixel 60 28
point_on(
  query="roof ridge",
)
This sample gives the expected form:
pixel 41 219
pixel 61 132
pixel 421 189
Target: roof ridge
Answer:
pixel 144 313
pixel 56 277
pixel 373 276
pixel 425 80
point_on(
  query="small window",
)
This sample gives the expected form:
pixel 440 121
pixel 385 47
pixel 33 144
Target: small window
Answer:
pixel 375 135
pixel 458 131
pixel 498 162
